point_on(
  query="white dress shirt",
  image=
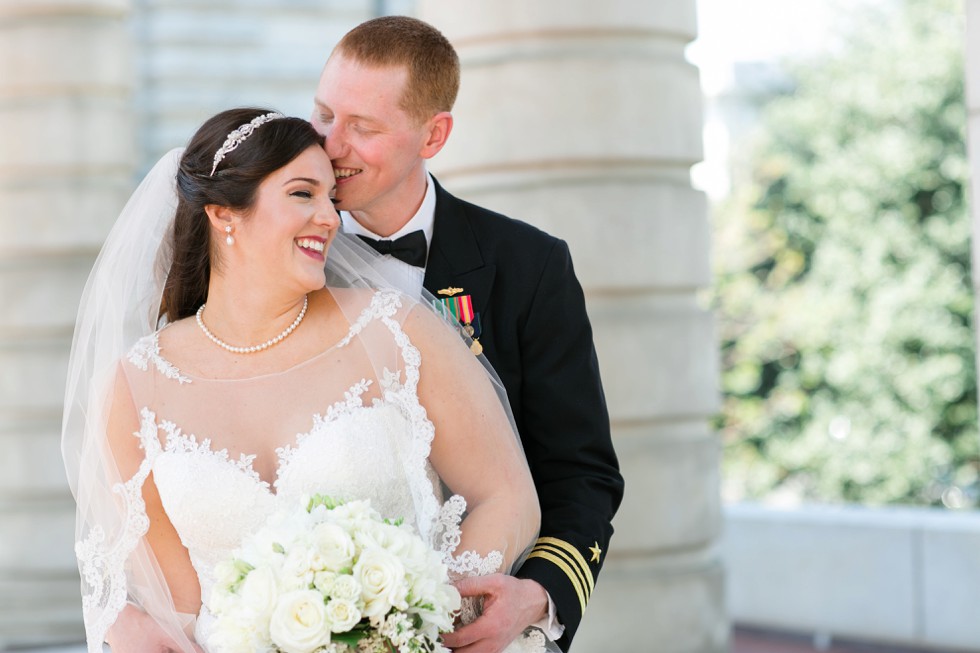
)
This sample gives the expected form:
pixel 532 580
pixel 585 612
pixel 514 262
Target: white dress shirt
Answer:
pixel 423 220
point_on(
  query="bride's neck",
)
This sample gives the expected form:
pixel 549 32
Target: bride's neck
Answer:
pixel 246 316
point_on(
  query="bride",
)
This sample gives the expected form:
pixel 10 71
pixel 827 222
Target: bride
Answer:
pixel 285 366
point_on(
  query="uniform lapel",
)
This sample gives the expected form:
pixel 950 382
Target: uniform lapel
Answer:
pixel 455 259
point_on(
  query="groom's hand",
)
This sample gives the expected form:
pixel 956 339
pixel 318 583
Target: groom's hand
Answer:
pixel 509 606
pixel 137 632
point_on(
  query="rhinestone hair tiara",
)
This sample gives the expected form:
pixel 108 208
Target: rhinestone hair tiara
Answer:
pixel 238 136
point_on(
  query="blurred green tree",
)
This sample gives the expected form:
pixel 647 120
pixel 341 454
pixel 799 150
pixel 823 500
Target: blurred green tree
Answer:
pixel 843 286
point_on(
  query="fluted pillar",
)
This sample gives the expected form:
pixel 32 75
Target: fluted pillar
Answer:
pixel 199 58
pixel 584 118
pixel 66 162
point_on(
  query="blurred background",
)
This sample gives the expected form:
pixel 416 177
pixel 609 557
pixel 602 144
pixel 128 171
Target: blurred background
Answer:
pixel 767 203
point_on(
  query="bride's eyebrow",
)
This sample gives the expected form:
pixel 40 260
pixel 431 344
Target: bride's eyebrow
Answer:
pixel 315 182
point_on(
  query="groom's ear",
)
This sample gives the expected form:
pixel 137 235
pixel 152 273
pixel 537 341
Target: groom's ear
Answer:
pixel 438 128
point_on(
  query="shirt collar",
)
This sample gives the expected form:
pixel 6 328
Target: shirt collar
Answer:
pixel 423 220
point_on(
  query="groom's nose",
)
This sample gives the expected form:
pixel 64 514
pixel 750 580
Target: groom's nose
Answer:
pixel 335 145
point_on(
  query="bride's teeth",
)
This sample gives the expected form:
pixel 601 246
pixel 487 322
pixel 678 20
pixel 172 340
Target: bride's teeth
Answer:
pixel 315 245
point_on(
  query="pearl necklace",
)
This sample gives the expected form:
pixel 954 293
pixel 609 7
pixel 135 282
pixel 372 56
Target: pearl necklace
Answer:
pixel 254 348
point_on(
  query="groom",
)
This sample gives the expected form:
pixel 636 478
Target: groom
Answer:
pixel 384 102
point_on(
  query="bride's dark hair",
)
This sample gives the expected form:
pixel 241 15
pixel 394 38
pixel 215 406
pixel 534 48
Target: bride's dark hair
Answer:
pixel 271 146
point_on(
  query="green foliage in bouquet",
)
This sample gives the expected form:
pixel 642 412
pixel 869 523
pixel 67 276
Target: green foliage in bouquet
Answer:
pixel 843 275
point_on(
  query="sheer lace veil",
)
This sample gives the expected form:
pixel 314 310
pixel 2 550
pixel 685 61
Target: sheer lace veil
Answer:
pixel 120 305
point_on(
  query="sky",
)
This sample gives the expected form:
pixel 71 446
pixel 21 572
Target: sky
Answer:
pixel 754 30
pixel 731 31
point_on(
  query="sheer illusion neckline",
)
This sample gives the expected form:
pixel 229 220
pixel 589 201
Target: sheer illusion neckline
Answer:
pixel 197 378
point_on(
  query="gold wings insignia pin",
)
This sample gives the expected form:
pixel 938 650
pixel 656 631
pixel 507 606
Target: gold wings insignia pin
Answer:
pixel 450 291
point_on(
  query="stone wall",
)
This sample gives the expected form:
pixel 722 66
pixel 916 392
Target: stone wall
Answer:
pixel 889 576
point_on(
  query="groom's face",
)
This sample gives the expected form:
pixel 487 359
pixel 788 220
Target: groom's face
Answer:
pixel 374 144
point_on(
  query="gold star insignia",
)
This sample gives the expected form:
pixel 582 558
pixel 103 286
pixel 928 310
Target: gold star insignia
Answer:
pixel 596 552
pixel 450 291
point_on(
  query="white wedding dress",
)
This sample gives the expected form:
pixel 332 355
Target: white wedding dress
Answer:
pixel 337 424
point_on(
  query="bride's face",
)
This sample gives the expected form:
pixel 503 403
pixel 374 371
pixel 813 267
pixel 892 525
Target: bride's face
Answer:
pixel 286 236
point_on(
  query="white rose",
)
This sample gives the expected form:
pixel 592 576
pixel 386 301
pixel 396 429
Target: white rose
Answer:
pixel 334 548
pixel 229 636
pixel 342 614
pixel 382 579
pixel 346 587
pixel 299 622
pixel 259 593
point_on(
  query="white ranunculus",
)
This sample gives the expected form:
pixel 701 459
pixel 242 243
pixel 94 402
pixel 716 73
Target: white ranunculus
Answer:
pixel 382 579
pixel 342 615
pixel 355 512
pixel 297 567
pixel 299 622
pixel 346 587
pixel 383 536
pixel 333 547
pixel 323 582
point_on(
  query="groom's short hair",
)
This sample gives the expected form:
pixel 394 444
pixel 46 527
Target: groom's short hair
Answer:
pixel 431 60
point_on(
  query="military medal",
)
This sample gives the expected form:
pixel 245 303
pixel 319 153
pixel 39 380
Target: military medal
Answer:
pixel 460 309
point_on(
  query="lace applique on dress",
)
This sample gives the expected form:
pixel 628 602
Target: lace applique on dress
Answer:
pixel 146 351
pixel 384 304
pixel 177 442
pixel 405 397
pixel 103 563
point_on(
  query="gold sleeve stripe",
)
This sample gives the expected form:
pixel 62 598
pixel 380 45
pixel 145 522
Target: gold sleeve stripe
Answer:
pixel 576 583
pixel 579 576
pixel 575 556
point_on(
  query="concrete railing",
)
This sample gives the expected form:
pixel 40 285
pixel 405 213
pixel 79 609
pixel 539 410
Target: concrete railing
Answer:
pixel 905 576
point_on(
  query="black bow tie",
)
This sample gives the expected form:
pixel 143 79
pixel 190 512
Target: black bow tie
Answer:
pixel 410 248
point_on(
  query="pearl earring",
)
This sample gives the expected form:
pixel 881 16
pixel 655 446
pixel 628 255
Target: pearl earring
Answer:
pixel 229 238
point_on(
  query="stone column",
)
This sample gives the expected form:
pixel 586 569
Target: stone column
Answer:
pixel 66 163
pixel 584 118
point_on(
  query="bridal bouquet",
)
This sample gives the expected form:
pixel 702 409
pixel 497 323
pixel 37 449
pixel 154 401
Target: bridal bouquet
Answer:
pixel 331 577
